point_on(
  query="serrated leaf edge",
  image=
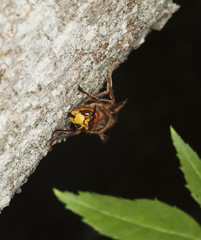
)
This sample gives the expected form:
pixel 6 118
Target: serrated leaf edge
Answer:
pixel 179 143
pixel 173 132
pixel 122 219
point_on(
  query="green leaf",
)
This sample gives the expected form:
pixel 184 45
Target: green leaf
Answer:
pixel 190 165
pixel 131 219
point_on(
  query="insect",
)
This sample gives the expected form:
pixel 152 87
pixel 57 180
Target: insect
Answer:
pixel 96 115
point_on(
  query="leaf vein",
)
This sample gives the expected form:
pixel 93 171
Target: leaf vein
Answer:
pixel 134 223
pixel 188 159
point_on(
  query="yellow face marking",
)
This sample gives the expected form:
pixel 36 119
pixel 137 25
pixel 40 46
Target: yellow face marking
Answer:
pixel 74 112
pixel 82 119
pixel 79 119
pixel 86 123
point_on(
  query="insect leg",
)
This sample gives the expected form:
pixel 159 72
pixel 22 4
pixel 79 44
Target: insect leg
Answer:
pixel 60 137
pixel 88 94
pixel 109 84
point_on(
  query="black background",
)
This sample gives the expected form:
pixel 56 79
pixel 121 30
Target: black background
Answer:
pixel 162 82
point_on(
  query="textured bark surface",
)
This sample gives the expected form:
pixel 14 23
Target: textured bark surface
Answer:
pixel 46 49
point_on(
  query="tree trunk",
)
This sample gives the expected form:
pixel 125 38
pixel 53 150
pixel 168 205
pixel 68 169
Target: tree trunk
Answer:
pixel 47 48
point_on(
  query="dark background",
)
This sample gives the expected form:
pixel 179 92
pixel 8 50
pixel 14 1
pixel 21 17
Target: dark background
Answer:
pixel 162 82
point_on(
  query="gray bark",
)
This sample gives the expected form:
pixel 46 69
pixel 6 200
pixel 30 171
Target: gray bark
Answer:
pixel 46 49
